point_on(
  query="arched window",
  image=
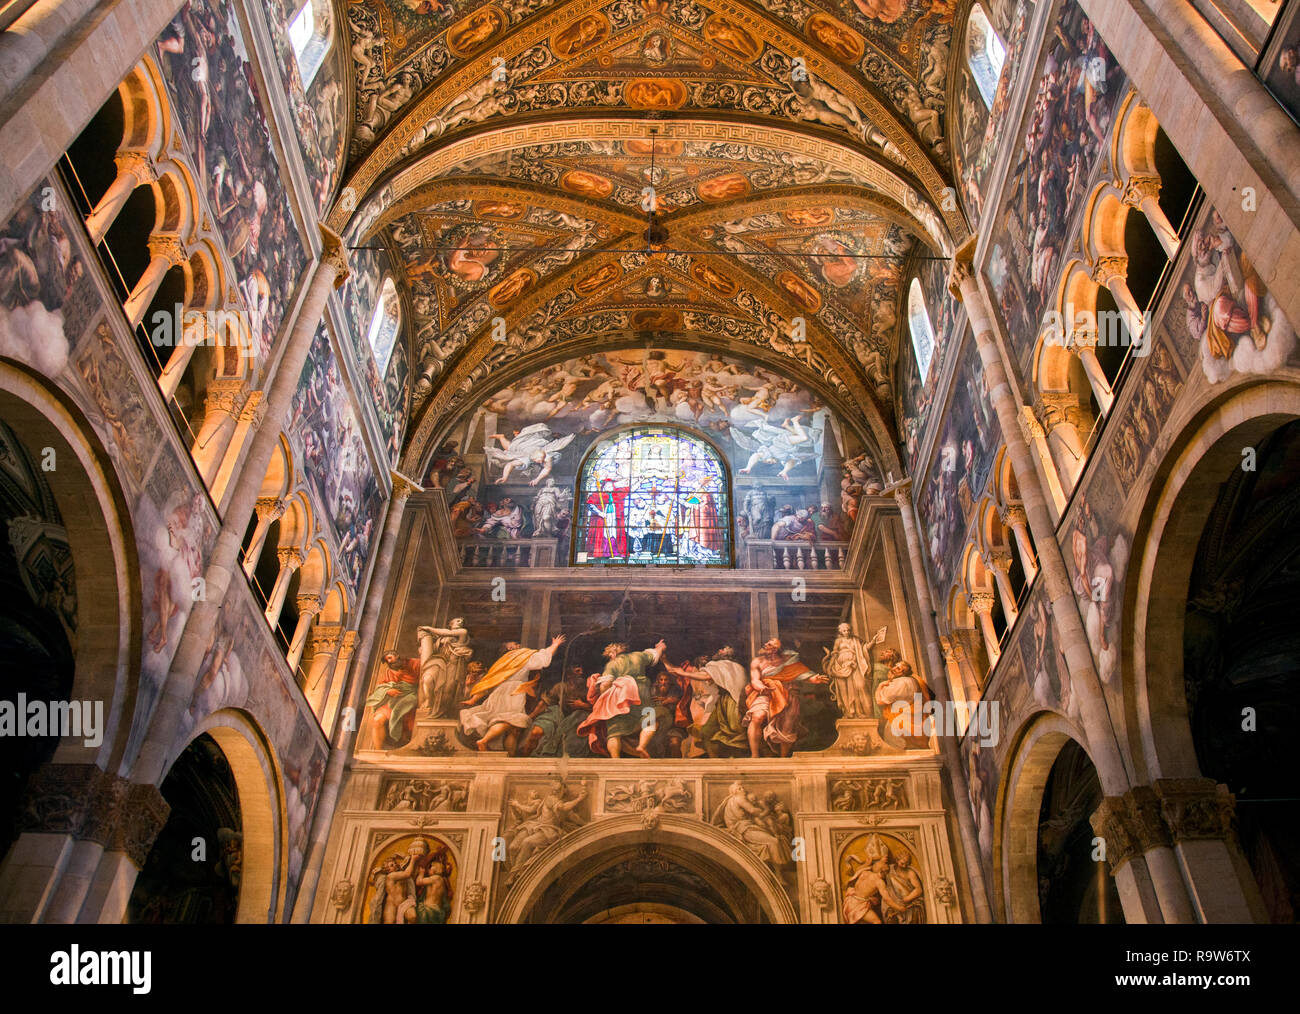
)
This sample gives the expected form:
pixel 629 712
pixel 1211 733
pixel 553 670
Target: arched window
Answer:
pixel 310 36
pixel 985 53
pixel 653 494
pixel 918 322
pixel 384 324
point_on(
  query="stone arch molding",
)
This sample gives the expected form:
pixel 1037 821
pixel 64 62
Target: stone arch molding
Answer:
pixel 601 836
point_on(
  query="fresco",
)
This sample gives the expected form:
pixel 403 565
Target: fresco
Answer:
pixel 334 457
pixel 659 55
pixel 880 882
pixel 319 110
pixel 1078 92
pixel 204 59
pixel 411 881
pixel 916 398
pixel 1280 69
pixel 509 470
pixel 981 125
pixel 959 466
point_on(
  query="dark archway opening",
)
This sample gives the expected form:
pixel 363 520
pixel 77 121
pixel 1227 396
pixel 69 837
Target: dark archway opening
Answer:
pixel 1241 651
pixel 193 871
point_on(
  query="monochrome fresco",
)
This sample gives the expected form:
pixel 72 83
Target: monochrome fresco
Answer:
pixel 205 61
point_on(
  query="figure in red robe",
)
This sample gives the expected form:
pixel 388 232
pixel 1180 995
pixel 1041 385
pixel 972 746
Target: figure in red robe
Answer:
pixel 607 521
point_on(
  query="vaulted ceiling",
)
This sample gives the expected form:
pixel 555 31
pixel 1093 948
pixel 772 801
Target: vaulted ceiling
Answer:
pixel 795 150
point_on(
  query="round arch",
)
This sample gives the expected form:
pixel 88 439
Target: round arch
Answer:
pixel 581 853
pixel 99 533
pixel 1178 507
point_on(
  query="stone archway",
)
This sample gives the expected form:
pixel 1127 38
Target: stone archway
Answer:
pixel 617 865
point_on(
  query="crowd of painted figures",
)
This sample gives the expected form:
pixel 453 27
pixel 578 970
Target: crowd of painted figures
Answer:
pixel 642 703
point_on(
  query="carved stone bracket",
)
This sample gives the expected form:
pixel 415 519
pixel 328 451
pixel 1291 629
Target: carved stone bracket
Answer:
pixel 1171 811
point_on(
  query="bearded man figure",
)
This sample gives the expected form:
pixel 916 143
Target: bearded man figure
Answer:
pixel 772 702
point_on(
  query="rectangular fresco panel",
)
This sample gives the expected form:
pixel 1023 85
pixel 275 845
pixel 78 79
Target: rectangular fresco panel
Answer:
pixel 204 59
pixel 1080 87
pixel 360 294
pixel 959 466
pixel 334 458
pixel 916 397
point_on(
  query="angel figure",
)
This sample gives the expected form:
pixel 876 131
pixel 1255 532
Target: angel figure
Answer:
pixel 532 445
pixel 848 663
pixel 786 445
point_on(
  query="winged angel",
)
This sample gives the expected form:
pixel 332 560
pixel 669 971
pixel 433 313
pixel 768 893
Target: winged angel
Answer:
pixel 532 445
pixel 787 445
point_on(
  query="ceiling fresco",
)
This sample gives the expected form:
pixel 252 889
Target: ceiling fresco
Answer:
pixel 508 157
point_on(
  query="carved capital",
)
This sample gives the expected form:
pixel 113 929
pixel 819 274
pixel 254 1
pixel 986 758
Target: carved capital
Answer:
pixel 323 638
pixel 1082 338
pixel 981 602
pixel 1139 189
pixel 334 255
pixel 1111 823
pixel 138 164
pixel 1107 269
pixel 349 643
pixel 1029 424
pixel 224 396
pixel 269 508
pixel 402 486
pixel 1060 408
pixel 902 491
pixel 253 408
pixel 1013 515
pixel 308 605
pixel 963 269
pixel 290 558
pixel 169 248
pixel 1196 809
pixel 1000 558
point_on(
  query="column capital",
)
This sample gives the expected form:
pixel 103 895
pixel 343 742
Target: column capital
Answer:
pixel 981 602
pixel 1000 558
pixel 1196 808
pixel 1059 408
pixel 963 268
pixel 169 247
pixel 253 407
pixel 1139 189
pixel 290 558
pixel 1082 338
pixel 1107 269
pixel 136 163
pixel 225 396
pixel 1013 514
pixel 324 637
pixel 1029 424
pixel 269 508
pixel 334 254
pixel 309 605
pixel 349 643
pixel 403 486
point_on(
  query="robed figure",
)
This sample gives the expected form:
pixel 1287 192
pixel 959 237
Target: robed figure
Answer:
pixel 607 521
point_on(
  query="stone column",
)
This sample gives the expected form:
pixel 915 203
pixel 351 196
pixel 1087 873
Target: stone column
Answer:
pixel 268 509
pixel 178 688
pixel 1013 516
pixel 221 410
pixel 338 675
pixel 981 604
pixel 1035 437
pixel 1084 343
pixel 1112 273
pixel 134 169
pixel 345 734
pixel 165 252
pixel 1138 853
pixel 999 563
pixel 1143 193
pixel 1103 746
pixel 309 607
pixel 290 560
pixel 902 492
pixel 321 650
pixel 1061 416
pixel 195 330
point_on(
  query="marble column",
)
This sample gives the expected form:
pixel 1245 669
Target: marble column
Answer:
pixel 1094 714
pixel 981 604
pixel 195 330
pixel 345 734
pixel 1084 343
pixel 321 651
pixel 220 413
pixel 999 564
pixel 902 492
pixel 290 560
pixel 1143 193
pixel 309 607
pixel 1041 460
pixel 134 169
pixel 268 509
pixel 160 744
pixel 1112 274
pixel 1013 516
pixel 165 252
pixel 1063 422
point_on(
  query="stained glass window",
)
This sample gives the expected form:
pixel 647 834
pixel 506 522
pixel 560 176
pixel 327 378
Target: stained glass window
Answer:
pixel 653 494
pixel 985 53
pixel 918 322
